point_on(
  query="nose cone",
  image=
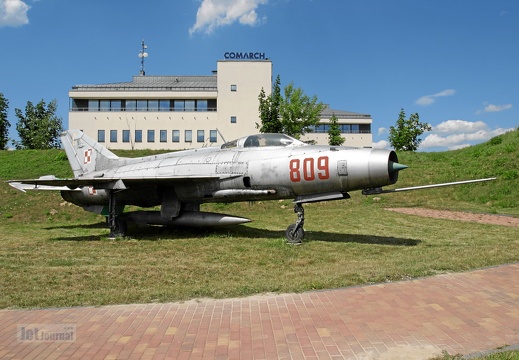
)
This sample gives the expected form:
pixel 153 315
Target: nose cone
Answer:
pixel 395 167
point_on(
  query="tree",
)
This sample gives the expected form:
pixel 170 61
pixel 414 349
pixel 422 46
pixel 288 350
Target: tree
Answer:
pixel 269 109
pixel 38 127
pixel 334 132
pixel 294 114
pixel 299 112
pixel 405 134
pixel 4 123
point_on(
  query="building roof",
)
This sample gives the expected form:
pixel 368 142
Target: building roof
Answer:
pixel 327 113
pixel 157 83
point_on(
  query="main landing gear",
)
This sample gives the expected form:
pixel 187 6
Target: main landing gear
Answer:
pixel 118 226
pixel 295 232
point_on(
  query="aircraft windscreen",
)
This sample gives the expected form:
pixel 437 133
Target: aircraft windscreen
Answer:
pixel 263 140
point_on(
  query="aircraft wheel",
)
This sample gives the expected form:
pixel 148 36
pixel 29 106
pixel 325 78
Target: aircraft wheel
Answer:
pixel 294 237
pixel 120 228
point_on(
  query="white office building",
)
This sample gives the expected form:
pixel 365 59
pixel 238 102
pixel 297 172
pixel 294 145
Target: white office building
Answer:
pixel 182 112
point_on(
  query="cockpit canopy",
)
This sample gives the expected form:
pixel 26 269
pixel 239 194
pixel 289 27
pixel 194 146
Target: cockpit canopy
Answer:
pixel 263 140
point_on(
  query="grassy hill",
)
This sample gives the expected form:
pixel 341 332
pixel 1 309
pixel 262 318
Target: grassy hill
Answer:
pixel 55 254
pixel 498 157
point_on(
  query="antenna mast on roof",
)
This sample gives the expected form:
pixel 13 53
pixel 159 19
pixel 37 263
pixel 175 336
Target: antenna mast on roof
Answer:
pixel 143 54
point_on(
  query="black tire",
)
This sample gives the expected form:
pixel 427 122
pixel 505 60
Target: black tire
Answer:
pixel 120 228
pixel 294 237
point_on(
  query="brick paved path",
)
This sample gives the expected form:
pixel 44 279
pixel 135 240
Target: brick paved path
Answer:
pixel 459 313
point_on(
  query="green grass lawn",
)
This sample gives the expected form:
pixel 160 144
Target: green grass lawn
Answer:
pixel 53 254
pixel 69 263
pixel 498 355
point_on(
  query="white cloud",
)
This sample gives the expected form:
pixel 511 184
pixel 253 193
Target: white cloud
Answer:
pixel 461 146
pixel 382 131
pixel 430 99
pixel 382 144
pixel 453 126
pixel 215 13
pixel 457 134
pixel 13 13
pixel 497 108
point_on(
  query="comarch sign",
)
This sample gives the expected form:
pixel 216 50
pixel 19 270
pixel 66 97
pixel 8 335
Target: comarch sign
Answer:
pixel 244 56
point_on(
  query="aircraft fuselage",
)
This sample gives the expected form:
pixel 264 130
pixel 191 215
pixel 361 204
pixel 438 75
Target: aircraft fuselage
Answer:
pixel 243 174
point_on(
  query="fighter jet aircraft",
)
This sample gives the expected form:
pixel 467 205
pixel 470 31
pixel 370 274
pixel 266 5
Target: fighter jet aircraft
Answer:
pixel 255 167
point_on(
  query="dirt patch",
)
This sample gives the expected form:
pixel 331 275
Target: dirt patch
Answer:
pixel 461 216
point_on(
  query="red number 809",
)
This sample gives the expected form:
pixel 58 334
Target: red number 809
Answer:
pixel 309 169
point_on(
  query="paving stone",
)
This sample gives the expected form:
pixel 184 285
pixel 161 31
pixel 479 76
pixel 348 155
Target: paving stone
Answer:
pixel 460 313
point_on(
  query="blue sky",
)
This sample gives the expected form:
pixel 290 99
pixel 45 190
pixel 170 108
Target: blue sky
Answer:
pixel 455 63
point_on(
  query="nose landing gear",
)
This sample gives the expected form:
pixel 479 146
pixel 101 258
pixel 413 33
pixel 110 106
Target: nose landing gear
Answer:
pixel 295 232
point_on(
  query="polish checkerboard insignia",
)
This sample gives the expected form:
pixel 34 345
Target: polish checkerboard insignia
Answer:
pixel 88 156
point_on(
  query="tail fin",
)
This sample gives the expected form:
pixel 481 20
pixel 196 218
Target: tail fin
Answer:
pixel 85 155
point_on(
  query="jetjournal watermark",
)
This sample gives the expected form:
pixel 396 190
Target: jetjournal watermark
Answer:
pixel 46 332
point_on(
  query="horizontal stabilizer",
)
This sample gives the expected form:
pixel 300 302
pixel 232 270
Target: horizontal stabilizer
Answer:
pixel 24 187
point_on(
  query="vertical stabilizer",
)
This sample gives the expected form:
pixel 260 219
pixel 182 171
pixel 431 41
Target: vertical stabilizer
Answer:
pixel 85 155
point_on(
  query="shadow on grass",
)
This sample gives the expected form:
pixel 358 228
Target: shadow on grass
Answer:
pixel 360 239
pixel 248 232
pixel 155 233
pixel 99 225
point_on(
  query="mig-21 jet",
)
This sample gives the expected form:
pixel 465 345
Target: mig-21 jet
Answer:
pixel 252 168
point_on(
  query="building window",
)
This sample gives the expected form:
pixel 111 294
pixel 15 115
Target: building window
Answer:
pixel 211 105
pixel 115 105
pixel 200 136
pixel 151 135
pixel 233 119
pixel 79 105
pixel 131 105
pixel 189 105
pixel 163 135
pixel 233 87
pixel 104 105
pixel 320 129
pixel 164 105
pixel 188 135
pixel 142 105
pixel 178 105
pixel 213 136
pixel 345 128
pixel 138 135
pixel 100 135
pixel 201 105
pixel 153 105
pixel 175 135
pixel 365 128
pixel 126 136
pixel 113 135
pixel 93 105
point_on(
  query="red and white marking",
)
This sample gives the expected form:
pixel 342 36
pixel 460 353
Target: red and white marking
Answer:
pixel 88 156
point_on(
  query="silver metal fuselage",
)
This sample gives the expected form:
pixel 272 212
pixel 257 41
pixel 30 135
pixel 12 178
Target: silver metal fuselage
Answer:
pixel 218 174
